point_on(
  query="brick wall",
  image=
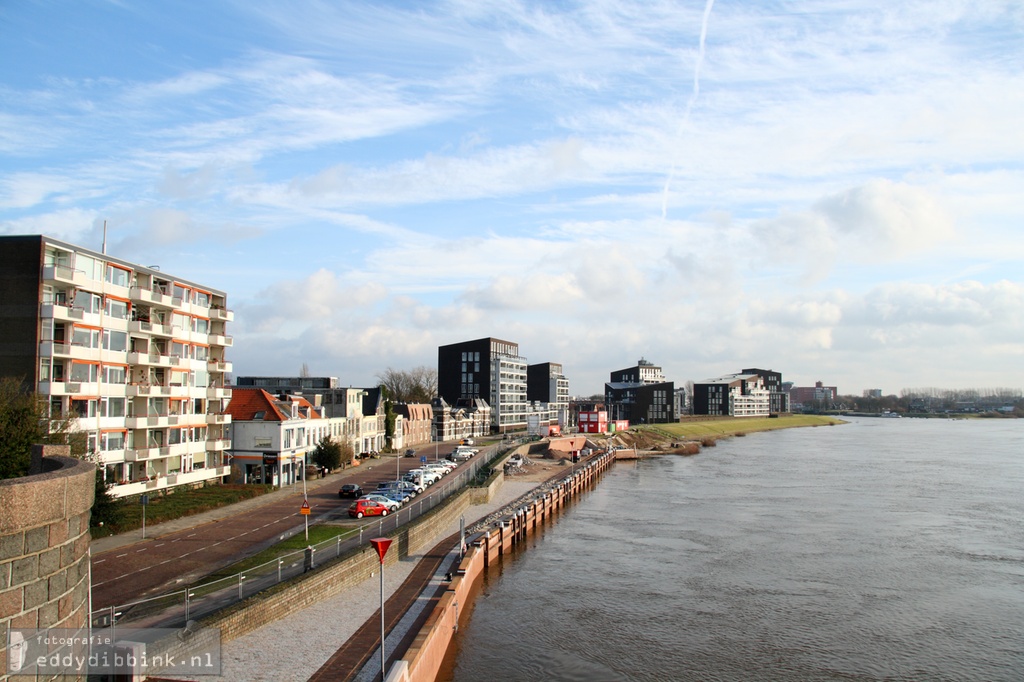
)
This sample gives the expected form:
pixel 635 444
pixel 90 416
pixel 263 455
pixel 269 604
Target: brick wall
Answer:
pixel 44 547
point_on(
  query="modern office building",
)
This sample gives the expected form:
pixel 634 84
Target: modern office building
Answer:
pixel 485 369
pixel 138 354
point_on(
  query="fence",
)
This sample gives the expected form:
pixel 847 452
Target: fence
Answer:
pixel 175 609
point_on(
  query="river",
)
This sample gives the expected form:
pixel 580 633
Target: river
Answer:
pixel 882 549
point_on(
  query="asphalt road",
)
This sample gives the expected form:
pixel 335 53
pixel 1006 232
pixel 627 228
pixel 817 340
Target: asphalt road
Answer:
pixel 170 559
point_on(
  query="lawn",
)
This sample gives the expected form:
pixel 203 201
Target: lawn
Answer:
pixel 296 543
pixel 696 430
pixel 165 507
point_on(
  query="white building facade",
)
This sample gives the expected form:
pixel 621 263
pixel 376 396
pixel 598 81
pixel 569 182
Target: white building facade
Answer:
pixel 137 354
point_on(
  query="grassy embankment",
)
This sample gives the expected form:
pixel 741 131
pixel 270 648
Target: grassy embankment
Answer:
pixel 166 507
pixel 689 436
pixel 698 430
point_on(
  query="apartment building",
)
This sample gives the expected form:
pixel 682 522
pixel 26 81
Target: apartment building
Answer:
pixel 485 369
pixel 137 354
pixel 778 397
pixel 732 395
pixel 546 384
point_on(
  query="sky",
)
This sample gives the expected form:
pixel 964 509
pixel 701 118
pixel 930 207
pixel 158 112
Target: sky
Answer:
pixel 831 189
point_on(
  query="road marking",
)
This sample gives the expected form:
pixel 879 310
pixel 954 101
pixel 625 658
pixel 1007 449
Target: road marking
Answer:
pixel 98 561
pixel 160 545
pixel 141 549
pixel 120 555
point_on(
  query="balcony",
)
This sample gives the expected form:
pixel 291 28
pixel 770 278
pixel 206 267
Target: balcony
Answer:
pixel 141 295
pixel 151 421
pixel 140 454
pixel 221 340
pixel 217 444
pixel 213 418
pixel 152 328
pixel 64 274
pixel 147 390
pixel 222 314
pixel 217 393
pixel 61 312
pixel 174 449
pixel 54 349
pixel 218 366
pixel 152 359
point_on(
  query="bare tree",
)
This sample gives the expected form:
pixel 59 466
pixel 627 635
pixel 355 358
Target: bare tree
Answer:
pixel 418 385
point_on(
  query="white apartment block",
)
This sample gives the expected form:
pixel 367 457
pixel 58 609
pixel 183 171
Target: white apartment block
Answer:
pixel 137 354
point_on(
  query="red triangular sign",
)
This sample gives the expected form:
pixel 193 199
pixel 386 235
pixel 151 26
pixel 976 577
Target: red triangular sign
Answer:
pixel 381 545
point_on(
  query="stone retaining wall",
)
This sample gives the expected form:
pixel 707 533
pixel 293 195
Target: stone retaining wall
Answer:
pixel 44 546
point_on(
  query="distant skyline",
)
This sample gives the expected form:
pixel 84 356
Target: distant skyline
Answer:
pixel 831 190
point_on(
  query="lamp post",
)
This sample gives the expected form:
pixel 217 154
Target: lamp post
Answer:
pixel 381 545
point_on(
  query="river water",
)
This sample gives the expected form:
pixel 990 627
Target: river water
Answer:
pixel 882 549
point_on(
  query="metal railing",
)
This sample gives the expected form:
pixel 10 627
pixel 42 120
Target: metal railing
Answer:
pixel 175 609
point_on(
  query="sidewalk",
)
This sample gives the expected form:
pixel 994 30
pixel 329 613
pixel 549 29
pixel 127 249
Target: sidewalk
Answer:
pixel 100 545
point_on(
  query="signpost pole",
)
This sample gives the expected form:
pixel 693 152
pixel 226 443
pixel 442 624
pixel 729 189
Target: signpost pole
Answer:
pixel 381 545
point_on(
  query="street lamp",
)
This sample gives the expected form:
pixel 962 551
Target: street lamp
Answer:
pixel 381 545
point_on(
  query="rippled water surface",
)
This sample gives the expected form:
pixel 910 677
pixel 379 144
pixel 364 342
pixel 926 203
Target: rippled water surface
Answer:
pixel 885 549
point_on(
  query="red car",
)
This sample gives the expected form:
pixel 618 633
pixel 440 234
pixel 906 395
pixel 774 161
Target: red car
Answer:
pixel 361 508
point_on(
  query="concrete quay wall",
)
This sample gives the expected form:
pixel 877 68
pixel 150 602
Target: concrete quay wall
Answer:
pixel 424 657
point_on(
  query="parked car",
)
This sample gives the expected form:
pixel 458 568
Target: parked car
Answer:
pixel 466 441
pixel 410 453
pixel 396 495
pixel 350 490
pixel 438 467
pixel 407 487
pixel 392 505
pixel 364 507
pixel 429 477
pixel 461 454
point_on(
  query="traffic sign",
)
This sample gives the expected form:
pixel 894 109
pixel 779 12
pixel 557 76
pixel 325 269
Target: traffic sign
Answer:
pixel 305 508
pixel 423 459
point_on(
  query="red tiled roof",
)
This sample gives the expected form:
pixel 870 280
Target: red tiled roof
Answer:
pixel 246 403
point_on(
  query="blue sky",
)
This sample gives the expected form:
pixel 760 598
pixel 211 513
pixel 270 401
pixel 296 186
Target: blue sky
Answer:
pixel 830 189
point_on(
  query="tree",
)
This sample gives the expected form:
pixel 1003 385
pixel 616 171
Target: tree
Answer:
pixel 418 385
pixel 107 510
pixel 22 421
pixel 327 454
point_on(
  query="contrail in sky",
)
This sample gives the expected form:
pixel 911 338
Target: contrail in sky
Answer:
pixel 689 103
